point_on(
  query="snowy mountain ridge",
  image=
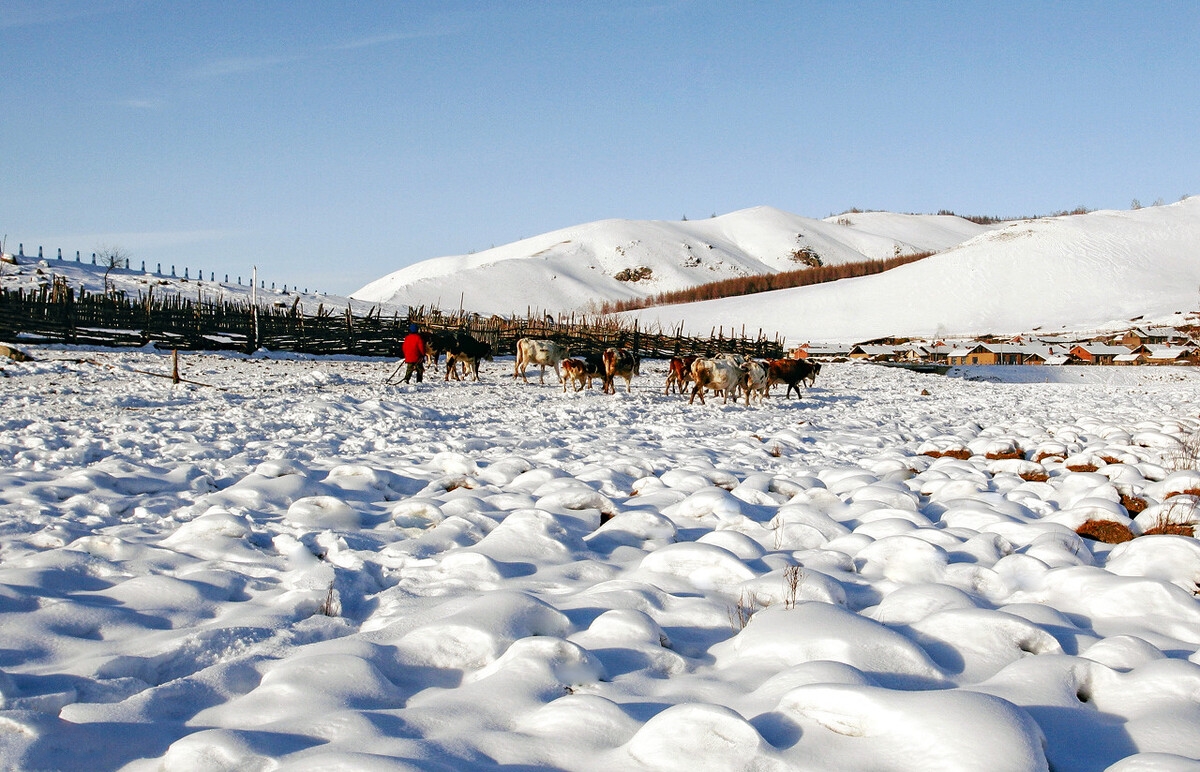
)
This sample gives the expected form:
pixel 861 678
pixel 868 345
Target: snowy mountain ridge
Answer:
pixel 1096 271
pixel 574 269
pixel 1099 270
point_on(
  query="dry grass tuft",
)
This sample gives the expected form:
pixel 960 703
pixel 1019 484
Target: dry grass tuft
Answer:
pixel 332 605
pixel 1106 531
pixel 739 615
pixel 1034 476
pixel 1133 504
pixel 1179 519
pixel 792 577
pixel 961 454
pixel 1005 455
pixel 1175 529
pixel 1083 467
pixel 1187 455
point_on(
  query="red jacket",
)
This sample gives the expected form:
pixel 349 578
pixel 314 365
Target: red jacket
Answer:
pixel 414 348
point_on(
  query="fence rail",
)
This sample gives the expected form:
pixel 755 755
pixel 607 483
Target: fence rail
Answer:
pixel 59 314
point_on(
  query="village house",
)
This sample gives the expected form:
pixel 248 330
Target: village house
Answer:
pixel 978 354
pixel 823 351
pixel 1097 353
pixel 1145 336
pixel 1045 357
pixel 998 354
pixel 1033 350
pixel 1136 356
pixel 1172 355
pixel 936 352
pixel 873 352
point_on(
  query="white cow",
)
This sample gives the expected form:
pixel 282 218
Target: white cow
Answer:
pixel 755 381
pixel 716 374
pixel 539 352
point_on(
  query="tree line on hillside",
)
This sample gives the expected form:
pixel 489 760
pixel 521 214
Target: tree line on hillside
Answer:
pixel 749 285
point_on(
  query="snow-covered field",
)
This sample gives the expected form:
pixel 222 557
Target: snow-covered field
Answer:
pixel 304 569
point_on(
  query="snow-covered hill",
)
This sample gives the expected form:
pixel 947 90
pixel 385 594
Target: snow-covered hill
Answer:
pixel 1087 271
pixel 30 273
pixel 575 268
pixel 1079 272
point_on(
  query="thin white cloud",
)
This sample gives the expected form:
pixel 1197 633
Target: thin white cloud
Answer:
pixel 237 65
pixel 142 104
pixel 388 38
pixel 32 13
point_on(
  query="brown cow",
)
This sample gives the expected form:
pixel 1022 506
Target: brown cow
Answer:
pixel 620 362
pixel 582 370
pixel 793 372
pixel 679 372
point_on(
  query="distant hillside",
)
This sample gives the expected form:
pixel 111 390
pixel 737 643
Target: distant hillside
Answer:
pixel 578 268
pixel 31 273
pixel 1095 270
pixel 1076 272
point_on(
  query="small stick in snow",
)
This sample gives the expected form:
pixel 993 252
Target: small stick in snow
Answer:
pixel 174 376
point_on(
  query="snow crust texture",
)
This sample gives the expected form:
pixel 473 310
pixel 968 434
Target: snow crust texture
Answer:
pixel 303 569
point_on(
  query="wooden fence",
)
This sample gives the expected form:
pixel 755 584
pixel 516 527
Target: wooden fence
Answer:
pixel 59 314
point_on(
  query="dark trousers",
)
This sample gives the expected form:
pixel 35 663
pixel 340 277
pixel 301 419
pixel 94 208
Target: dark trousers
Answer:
pixel 414 367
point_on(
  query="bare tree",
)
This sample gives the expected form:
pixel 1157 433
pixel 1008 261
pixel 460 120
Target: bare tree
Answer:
pixel 111 256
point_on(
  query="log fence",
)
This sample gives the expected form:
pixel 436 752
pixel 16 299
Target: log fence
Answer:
pixel 58 314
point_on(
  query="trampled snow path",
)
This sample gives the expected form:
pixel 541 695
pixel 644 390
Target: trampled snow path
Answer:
pixel 309 570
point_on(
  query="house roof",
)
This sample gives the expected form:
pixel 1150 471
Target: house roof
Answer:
pixel 870 350
pixel 1102 349
pixel 1168 352
pixel 828 351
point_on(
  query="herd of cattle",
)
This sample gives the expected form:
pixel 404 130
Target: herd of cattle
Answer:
pixel 729 375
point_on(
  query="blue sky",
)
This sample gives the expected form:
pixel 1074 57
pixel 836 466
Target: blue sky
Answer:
pixel 331 143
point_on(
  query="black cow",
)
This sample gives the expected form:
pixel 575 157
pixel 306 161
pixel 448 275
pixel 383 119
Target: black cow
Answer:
pixel 436 342
pixel 469 350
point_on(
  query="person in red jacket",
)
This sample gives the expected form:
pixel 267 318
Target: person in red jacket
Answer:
pixel 414 354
